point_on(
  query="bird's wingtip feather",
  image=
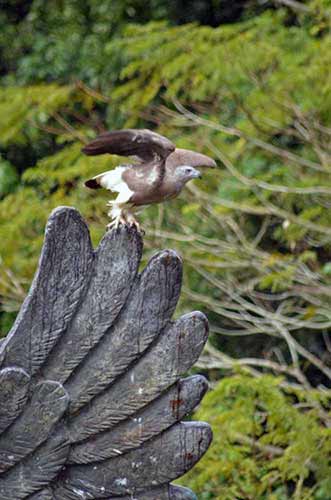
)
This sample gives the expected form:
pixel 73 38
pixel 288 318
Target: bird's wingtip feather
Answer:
pixel 92 184
pixel 87 150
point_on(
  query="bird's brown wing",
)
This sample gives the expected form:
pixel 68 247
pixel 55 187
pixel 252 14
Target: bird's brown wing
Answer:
pixel 146 145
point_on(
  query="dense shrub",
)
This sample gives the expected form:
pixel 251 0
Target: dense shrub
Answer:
pixel 270 442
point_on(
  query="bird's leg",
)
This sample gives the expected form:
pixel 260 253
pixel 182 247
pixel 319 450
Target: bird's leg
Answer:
pixel 118 216
pixel 121 215
pixel 116 222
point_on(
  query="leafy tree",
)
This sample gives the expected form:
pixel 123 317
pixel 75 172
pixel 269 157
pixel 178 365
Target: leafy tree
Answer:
pixel 255 234
pixel 262 446
pixel 259 230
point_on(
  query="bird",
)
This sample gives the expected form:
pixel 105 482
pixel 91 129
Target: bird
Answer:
pixel 158 171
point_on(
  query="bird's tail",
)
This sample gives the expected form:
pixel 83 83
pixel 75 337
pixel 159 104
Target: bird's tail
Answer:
pixel 92 183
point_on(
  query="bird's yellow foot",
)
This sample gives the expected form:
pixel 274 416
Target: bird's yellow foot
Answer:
pixel 116 222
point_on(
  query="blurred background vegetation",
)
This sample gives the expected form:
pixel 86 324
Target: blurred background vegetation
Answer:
pixel 249 83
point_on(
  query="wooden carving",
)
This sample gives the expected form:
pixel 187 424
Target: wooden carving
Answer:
pixel 91 395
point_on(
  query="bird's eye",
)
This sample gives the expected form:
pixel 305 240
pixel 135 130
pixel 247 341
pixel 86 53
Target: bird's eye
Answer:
pixel 188 170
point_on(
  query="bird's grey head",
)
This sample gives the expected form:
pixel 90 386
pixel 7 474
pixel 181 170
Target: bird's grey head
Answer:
pixel 184 163
pixel 185 173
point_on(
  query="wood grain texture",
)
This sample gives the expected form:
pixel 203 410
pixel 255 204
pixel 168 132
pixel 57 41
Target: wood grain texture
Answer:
pixel 44 494
pixel 14 385
pixel 149 308
pixel 47 405
pixel 158 461
pixel 147 423
pixel 175 351
pixel 114 268
pixel 164 492
pixel 35 471
pixel 91 396
pixel 62 276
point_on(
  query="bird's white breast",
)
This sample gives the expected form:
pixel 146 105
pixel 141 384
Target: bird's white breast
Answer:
pixel 113 181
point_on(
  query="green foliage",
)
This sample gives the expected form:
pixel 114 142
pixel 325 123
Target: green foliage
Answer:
pixel 54 181
pixel 67 41
pixel 8 177
pixel 255 234
pixel 259 63
pixel 26 108
pixel 264 445
pixel 250 81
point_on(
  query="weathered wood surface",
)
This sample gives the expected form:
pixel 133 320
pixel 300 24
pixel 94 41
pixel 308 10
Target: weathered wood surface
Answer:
pixel 14 385
pixel 91 395
pixel 150 421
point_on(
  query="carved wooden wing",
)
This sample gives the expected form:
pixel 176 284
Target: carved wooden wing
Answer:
pixel 91 394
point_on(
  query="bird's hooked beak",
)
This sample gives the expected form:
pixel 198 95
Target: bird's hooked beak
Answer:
pixel 197 174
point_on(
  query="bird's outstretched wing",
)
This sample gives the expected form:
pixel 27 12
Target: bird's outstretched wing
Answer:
pixel 144 144
pixel 91 395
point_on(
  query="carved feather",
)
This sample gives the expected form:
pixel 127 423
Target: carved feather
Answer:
pixel 114 268
pixel 45 494
pixel 165 492
pixel 149 307
pixel 160 414
pixel 35 471
pixel 62 276
pixel 14 385
pixel 158 461
pixel 177 348
pixel 91 374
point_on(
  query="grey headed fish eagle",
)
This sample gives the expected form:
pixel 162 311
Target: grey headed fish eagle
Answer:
pixel 158 171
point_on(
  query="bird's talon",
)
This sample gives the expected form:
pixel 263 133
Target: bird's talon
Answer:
pixel 134 223
pixel 116 223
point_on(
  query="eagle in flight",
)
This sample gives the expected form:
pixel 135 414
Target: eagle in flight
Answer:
pixel 158 171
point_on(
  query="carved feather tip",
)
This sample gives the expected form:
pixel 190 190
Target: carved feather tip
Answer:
pixel 130 228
